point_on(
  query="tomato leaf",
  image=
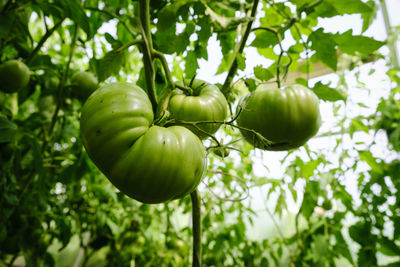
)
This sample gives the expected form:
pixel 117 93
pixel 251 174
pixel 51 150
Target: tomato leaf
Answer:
pixel 110 64
pixel 324 46
pixel 75 11
pixel 191 65
pixel 350 44
pixel 262 73
pixel 349 6
pixel 326 93
pixel 264 39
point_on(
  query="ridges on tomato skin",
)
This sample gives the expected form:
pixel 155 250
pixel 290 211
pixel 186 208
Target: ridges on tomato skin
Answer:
pixel 288 118
pixel 207 103
pixel 169 161
pixel 151 164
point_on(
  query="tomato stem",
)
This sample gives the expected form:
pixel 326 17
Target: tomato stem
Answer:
pixel 42 41
pixel 144 14
pixel 196 220
pixel 234 65
pixel 127 45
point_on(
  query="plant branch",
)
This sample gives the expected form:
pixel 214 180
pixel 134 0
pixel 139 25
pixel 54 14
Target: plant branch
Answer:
pixel 160 56
pixel 42 41
pixel 196 220
pixel 234 65
pixel 127 45
pixel 61 86
pixel 144 15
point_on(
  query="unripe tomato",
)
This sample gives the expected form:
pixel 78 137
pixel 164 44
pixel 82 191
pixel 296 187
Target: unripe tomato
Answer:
pixel 148 163
pixel 84 84
pixel 287 117
pixel 14 75
pixel 47 107
pixel 207 103
pixel 221 152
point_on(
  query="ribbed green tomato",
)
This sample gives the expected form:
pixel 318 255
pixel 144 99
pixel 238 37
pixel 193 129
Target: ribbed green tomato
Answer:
pixel 84 84
pixel 287 117
pixel 14 75
pixel 148 163
pixel 206 104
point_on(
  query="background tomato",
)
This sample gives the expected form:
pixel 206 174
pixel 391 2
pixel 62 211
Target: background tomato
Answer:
pixel 206 104
pixel 14 75
pixel 288 118
pixel 84 84
pixel 151 164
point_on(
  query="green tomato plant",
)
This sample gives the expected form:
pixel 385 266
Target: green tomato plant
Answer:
pixel 76 180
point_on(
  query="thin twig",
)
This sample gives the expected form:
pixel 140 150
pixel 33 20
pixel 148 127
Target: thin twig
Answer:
pixel 234 65
pixel 127 45
pixel 42 41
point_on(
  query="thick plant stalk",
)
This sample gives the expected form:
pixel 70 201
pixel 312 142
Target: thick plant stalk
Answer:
pixel 144 14
pixel 196 220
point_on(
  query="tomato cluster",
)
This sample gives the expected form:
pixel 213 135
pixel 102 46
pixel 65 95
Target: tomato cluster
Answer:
pixel 154 164
pixel 149 163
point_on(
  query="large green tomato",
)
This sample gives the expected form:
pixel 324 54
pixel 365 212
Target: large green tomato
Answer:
pixel 287 117
pixel 84 84
pixel 14 75
pixel 206 104
pixel 149 163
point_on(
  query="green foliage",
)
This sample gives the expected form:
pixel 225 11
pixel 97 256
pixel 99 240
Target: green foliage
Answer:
pixel 58 209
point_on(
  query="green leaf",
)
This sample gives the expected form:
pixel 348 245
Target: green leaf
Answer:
pixel 110 64
pixel 262 73
pixel 388 247
pixel 191 64
pixel 264 39
pixel 350 44
pixel 8 130
pixel 368 17
pixel 370 160
pixel 324 46
pixel 349 6
pixel 168 15
pixel 361 233
pixel 241 61
pixel 74 10
pixel 168 42
pixel 251 84
pixel 326 93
